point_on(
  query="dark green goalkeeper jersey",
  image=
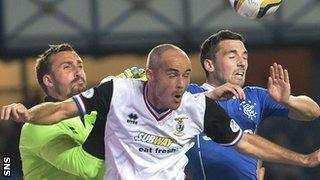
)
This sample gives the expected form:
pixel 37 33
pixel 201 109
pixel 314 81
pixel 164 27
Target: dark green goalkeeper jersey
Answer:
pixel 55 151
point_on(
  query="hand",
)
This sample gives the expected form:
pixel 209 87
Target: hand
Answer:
pixel 134 73
pixel 226 91
pixel 279 84
pixel 313 159
pixel 16 112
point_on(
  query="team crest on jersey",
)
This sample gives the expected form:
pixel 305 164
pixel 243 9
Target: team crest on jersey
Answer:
pixel 88 93
pixel 247 107
pixel 180 125
pixel 132 118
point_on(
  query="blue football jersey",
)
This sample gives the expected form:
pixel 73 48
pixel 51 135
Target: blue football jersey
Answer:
pixel 209 160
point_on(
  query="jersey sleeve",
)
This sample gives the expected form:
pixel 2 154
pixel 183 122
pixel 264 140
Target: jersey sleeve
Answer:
pixel 269 106
pixel 95 99
pixel 98 99
pixel 94 144
pixel 219 126
pixel 194 89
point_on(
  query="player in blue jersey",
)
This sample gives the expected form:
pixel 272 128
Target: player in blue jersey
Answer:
pixel 224 59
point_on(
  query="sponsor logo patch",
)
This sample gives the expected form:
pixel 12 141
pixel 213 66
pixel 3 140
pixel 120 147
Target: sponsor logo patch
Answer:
pixel 152 139
pixel 234 126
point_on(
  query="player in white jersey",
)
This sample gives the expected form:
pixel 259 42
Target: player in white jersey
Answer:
pixel 148 144
pixel 150 124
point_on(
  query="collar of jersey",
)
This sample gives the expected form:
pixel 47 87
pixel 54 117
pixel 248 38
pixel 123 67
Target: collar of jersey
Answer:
pixel 154 113
pixel 207 87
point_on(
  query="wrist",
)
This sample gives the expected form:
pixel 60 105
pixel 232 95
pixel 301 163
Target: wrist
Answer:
pixel 289 102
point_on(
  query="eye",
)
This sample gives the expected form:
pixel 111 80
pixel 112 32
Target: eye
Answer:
pixel 172 75
pixel 66 66
pixel 232 55
pixel 187 74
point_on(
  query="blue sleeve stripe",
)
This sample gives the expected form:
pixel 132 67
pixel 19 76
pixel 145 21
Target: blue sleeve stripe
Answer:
pixel 77 99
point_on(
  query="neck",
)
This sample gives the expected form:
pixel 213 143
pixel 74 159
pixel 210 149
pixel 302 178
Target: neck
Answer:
pixel 56 96
pixel 212 82
pixel 152 98
pixel 49 98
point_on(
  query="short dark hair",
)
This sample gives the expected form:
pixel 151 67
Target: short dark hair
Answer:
pixel 210 46
pixel 43 64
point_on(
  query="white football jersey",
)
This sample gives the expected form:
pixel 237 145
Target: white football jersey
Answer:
pixel 140 143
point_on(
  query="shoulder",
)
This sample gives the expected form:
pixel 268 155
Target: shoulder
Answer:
pixel 37 135
pixel 194 88
pixel 193 101
pixel 40 133
pixel 29 129
pixel 255 90
pixel 127 83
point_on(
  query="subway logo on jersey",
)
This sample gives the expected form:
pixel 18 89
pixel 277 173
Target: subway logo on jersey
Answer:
pixel 152 139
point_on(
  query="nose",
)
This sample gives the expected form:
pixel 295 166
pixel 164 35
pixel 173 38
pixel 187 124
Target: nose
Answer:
pixel 78 71
pixel 182 82
pixel 242 62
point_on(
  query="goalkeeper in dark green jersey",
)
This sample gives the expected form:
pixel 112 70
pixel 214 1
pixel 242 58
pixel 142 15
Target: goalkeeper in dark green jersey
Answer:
pixel 58 151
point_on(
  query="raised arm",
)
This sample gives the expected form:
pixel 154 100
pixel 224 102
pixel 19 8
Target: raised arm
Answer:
pixel 300 107
pixel 45 113
pixel 257 146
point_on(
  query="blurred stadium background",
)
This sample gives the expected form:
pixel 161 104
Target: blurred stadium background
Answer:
pixel 112 35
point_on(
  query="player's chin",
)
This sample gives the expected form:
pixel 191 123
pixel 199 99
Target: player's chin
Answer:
pixel 239 82
pixel 78 89
pixel 175 104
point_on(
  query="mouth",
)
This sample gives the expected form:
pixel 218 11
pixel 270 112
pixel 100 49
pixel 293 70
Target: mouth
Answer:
pixel 240 74
pixel 78 81
pixel 177 97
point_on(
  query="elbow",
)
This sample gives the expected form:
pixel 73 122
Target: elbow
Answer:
pixel 94 173
pixel 317 113
pixel 314 114
pixel 311 115
pixel 90 173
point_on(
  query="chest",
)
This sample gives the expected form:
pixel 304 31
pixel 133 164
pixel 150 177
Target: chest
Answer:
pixel 76 129
pixel 246 113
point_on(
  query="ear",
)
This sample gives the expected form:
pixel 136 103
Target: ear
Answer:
pixel 149 74
pixel 208 65
pixel 47 80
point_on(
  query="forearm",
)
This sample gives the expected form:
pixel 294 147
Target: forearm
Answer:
pixel 256 146
pixel 303 108
pixel 51 113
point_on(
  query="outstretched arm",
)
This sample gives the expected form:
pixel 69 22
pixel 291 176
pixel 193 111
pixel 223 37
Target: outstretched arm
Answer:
pixel 45 113
pixel 257 146
pixel 300 107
